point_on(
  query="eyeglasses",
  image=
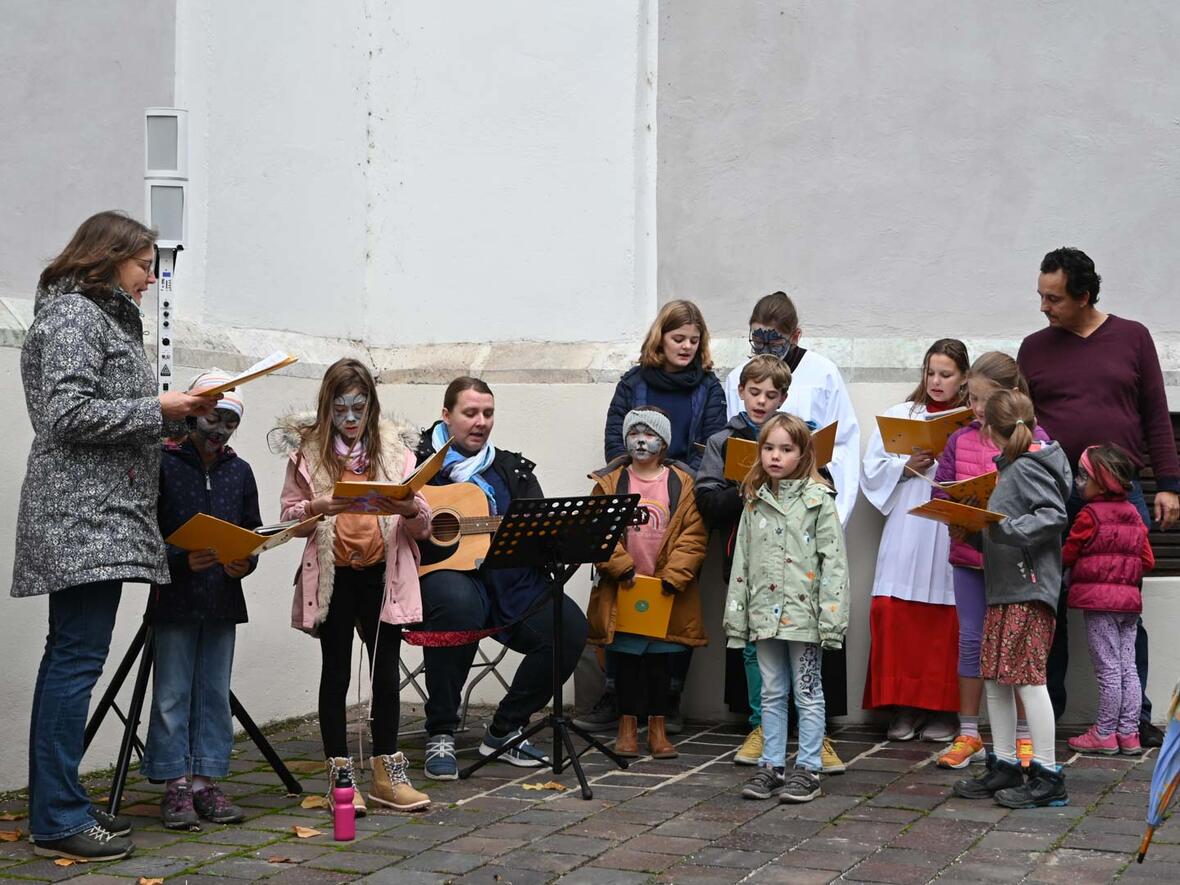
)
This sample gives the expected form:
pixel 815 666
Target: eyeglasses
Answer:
pixel 145 264
pixel 769 341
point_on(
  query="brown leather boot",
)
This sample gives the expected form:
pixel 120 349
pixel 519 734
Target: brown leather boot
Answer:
pixel 335 766
pixel 627 742
pixel 391 785
pixel 657 739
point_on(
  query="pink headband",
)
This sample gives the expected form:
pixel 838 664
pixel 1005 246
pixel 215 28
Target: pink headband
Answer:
pixel 1105 479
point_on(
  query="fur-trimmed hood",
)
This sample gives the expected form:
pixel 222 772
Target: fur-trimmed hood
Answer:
pixel 287 436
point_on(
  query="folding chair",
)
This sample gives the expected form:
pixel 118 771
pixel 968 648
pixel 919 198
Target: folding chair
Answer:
pixel 486 665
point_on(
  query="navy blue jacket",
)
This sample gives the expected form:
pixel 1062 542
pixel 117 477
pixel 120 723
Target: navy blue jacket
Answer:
pixel 228 491
pixel 708 416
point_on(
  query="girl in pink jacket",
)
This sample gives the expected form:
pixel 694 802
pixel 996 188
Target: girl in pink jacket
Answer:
pixel 1108 552
pixel 359 569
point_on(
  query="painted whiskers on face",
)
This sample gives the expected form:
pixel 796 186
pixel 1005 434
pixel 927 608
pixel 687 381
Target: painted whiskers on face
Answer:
pixel 348 413
pixel 643 445
pixel 211 432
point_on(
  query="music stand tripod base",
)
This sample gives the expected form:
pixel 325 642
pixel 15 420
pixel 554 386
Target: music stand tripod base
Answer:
pixel 556 536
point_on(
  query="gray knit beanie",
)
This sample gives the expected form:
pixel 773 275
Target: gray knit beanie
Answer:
pixel 659 424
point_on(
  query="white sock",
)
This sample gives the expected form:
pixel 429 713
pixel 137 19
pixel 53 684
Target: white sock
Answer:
pixel 1001 709
pixel 1039 710
pixel 200 782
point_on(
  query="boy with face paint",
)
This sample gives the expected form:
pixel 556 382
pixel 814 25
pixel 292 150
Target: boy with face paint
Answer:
pixel 670 547
pixel 195 618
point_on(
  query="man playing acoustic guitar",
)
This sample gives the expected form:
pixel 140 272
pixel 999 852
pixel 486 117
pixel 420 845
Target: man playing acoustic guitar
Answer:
pixel 474 487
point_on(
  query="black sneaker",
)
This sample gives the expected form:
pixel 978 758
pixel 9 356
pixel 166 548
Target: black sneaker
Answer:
pixel 603 716
pixel 1149 735
pixel 1000 775
pixel 765 784
pixel 94 844
pixel 1045 786
pixel 800 785
pixel 115 824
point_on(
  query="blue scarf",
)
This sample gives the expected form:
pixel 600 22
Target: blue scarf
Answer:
pixel 461 468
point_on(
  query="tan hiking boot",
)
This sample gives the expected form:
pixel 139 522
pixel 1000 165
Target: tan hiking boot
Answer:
pixel 335 766
pixel 627 742
pixel 391 785
pixel 657 739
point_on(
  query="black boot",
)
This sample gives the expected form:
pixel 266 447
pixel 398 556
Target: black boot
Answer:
pixel 1000 775
pixel 1045 786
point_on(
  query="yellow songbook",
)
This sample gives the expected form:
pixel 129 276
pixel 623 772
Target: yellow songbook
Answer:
pixel 644 609
pixel 264 366
pixel 232 542
pixel 904 436
pixel 369 494
pixel 740 454
pixel 979 487
pixel 974 519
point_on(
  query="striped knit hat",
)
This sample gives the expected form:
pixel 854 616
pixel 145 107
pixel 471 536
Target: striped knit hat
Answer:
pixel 231 399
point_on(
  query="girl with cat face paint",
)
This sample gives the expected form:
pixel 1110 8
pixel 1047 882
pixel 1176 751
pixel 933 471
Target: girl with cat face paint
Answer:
pixel 669 547
pixel 195 617
pixel 358 568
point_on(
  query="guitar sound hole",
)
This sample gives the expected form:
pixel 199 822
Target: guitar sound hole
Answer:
pixel 445 526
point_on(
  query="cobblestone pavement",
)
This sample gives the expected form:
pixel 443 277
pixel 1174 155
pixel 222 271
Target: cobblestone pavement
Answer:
pixel 890 818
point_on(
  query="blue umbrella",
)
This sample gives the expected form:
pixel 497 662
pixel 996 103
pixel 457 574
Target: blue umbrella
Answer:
pixel 1166 776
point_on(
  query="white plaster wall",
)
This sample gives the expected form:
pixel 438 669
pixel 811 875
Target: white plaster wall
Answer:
pixel 908 164
pixel 433 172
pixel 76 78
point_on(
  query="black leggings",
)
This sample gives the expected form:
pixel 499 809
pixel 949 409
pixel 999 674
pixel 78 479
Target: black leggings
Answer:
pixel 642 683
pixel 356 602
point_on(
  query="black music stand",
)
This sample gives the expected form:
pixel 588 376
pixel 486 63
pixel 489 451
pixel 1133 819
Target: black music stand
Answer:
pixel 144 643
pixel 556 536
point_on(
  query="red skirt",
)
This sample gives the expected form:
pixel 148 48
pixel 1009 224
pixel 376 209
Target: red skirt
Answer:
pixel 914 655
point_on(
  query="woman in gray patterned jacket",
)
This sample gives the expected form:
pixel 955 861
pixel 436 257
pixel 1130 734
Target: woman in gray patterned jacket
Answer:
pixel 87 519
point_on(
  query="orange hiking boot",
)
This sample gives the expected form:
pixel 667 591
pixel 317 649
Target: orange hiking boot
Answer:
pixel 962 752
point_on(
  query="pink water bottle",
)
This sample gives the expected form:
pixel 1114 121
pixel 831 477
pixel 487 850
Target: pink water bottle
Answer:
pixel 344 814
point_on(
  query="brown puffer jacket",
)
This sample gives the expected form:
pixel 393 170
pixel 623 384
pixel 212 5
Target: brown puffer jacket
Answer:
pixel 678 562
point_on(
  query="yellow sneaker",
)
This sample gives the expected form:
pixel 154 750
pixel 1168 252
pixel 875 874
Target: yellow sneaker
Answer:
pixel 962 752
pixel 831 762
pixel 751 749
pixel 1024 751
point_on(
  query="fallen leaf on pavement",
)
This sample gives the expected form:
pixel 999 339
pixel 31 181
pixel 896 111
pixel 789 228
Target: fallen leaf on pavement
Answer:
pixel 278 858
pixel 548 785
pixel 305 832
pixel 314 802
pixel 13 815
pixel 306 766
pixel 64 862
pixel 144 880
pixel 10 835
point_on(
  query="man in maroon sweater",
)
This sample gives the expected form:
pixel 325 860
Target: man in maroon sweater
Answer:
pixel 1095 378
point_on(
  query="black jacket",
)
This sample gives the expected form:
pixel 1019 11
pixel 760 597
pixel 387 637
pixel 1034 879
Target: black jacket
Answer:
pixel 719 499
pixel 228 491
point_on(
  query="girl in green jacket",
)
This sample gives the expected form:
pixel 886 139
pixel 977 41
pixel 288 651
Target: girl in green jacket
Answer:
pixel 788 593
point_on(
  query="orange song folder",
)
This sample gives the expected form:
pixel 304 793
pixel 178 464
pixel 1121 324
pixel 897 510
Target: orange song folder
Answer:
pixel 368 494
pixel 974 519
pixel 902 436
pixel 264 366
pixel 232 542
pixel 740 454
pixel 978 487
pixel 644 609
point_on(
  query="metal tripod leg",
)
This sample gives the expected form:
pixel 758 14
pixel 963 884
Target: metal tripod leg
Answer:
pixel 260 741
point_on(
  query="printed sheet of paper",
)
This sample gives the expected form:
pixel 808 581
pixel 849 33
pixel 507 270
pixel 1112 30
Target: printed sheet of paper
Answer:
pixel 644 609
pixel 264 366
pixel 902 436
pixel 974 519
pixel 232 542
pixel 740 454
pixel 368 495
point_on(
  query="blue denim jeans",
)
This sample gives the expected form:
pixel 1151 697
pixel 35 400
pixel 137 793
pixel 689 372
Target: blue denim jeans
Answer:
pixel 788 667
pixel 191 729
pixel 753 683
pixel 81 620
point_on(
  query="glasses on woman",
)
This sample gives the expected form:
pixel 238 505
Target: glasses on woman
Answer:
pixel 770 341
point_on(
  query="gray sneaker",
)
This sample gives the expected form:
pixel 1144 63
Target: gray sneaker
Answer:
pixel 176 808
pixel 213 805
pixel 801 786
pixel 115 824
pixel 765 784
pixel 603 716
pixel 94 844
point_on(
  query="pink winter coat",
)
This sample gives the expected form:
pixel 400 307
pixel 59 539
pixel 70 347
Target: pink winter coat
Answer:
pixel 968 454
pixel 317 571
pixel 1107 551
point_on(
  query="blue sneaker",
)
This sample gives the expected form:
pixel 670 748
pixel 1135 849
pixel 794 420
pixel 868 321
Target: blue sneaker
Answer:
pixel 441 764
pixel 524 754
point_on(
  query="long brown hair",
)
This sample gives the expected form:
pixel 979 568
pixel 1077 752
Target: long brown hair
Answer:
pixel 90 261
pixel 776 310
pixel 342 375
pixel 956 351
pixel 800 435
pixel 673 315
pixel 1000 369
pixel 1010 420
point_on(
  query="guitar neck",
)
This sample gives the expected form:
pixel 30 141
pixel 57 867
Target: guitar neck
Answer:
pixel 479 525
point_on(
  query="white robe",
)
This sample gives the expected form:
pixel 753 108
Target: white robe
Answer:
pixel 912 560
pixel 818 395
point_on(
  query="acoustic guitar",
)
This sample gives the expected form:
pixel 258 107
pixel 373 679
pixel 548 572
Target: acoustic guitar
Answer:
pixel 462 526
